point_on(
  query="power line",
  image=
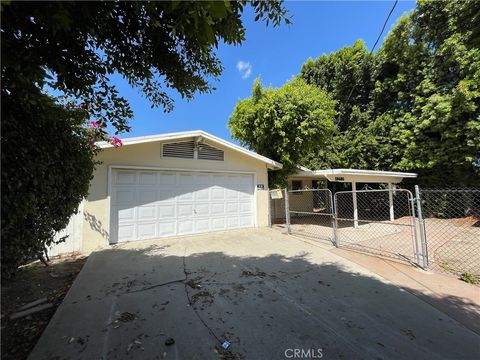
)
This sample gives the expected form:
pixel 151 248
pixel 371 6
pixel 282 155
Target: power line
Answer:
pixel 374 45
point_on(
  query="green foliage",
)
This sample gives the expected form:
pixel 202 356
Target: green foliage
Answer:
pixel 416 106
pixel 284 124
pixel 47 164
pixel 74 47
pixel 469 278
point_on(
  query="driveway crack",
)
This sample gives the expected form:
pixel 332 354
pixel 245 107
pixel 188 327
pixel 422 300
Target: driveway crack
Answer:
pixel 210 330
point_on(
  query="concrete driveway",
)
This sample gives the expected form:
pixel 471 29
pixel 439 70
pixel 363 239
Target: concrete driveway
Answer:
pixel 270 295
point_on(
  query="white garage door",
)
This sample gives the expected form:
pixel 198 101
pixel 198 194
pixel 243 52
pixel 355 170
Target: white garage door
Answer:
pixel 149 204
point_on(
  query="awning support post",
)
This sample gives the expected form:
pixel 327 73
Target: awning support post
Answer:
pixel 355 207
pixel 390 201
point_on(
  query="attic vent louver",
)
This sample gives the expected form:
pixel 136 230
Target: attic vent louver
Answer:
pixel 184 150
pixel 207 152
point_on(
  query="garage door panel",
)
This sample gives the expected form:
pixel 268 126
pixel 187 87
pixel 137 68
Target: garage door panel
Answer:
pixel 125 178
pixel 202 209
pixel 232 222
pixel 148 204
pixel 185 195
pixel 186 179
pixel 185 210
pixel 217 208
pixel 124 196
pixel 245 221
pixel 218 193
pixel 232 208
pixel 126 232
pixel 202 195
pixel 147 178
pixel 123 215
pixel 204 179
pixel 245 207
pixel 218 224
pixel 167 179
pixel 202 225
pixel 167 228
pixel 243 195
pixel 185 226
pixel 231 194
pixel 166 196
pixel 146 230
pixel 146 196
pixel 221 180
pixel 146 212
pixel 166 211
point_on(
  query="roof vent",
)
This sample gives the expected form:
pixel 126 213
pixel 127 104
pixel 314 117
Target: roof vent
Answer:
pixel 207 152
pixel 184 150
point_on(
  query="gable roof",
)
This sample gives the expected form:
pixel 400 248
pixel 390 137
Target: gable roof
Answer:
pixel 193 134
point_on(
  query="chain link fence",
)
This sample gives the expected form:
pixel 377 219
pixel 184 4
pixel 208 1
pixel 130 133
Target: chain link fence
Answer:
pixel 311 213
pixel 379 222
pixel 437 229
pixel 452 231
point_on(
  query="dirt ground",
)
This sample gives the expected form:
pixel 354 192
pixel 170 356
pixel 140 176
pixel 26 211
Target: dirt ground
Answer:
pixel 33 282
pixel 453 244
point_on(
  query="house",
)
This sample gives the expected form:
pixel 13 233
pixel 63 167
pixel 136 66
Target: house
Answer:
pixel 177 184
pixel 174 184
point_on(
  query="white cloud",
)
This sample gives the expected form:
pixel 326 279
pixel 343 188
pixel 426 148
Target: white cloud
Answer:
pixel 244 68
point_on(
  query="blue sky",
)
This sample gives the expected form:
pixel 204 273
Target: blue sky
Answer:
pixel 274 54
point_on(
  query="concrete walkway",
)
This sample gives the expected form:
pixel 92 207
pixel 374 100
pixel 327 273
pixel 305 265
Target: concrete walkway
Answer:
pixel 268 294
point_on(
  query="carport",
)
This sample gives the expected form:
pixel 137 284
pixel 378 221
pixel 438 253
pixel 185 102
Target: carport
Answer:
pixel 310 179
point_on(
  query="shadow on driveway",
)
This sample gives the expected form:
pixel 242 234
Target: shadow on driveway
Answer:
pixel 263 292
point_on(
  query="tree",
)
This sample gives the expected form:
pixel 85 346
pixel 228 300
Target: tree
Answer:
pixel 47 164
pixel 336 73
pixel 73 48
pixel 416 103
pixel 432 90
pixel 284 124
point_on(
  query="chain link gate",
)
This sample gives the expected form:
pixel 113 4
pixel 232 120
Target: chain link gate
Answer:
pixel 381 222
pixel 311 213
pixel 437 229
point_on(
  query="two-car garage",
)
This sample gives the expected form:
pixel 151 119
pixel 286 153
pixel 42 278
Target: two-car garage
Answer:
pixel 173 184
pixel 147 204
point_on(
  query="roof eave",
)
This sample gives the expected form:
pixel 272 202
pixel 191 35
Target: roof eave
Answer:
pixel 271 164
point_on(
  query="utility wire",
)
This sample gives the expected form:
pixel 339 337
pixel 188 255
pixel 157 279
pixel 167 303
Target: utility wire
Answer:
pixel 374 45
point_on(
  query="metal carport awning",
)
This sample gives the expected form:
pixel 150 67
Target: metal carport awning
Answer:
pixel 355 176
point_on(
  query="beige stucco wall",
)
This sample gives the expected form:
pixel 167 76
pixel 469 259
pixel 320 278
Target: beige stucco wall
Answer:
pixel 96 226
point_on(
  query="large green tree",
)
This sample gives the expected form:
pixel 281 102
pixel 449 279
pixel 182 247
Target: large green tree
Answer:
pixel 419 109
pixel 284 124
pixel 73 48
pixel 348 75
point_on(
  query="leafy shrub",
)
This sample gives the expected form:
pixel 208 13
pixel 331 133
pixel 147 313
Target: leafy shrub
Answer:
pixel 47 165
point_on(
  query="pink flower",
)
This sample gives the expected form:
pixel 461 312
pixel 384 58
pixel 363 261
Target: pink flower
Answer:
pixel 115 141
pixel 95 124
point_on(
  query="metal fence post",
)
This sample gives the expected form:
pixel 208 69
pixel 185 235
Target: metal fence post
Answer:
pixel 287 212
pixel 421 226
pixel 334 219
pixel 269 208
